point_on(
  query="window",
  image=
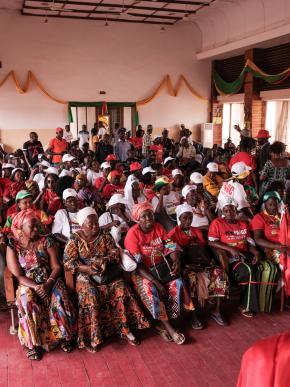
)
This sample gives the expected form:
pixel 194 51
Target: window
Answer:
pixel 233 114
pixel 278 120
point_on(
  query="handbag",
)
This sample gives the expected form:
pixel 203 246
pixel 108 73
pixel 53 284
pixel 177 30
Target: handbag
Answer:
pixel 113 271
pixel 162 270
pixel 192 255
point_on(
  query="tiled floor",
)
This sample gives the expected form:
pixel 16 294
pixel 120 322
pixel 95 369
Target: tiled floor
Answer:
pixel 210 358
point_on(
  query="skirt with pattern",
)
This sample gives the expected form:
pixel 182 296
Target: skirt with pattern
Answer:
pixel 45 322
pixel 105 310
pixel 177 296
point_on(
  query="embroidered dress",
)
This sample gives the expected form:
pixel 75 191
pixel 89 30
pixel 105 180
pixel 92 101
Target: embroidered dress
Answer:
pixel 42 322
pixel 103 309
pixel 273 173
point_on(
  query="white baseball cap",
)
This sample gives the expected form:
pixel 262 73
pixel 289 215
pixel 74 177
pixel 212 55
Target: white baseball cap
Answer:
pixel 148 170
pixel 176 172
pixel 69 192
pixel 67 157
pixel 168 159
pixel 115 199
pixel 105 165
pixel 213 167
pixel 240 169
pixel 45 164
pixel 196 178
pixel 8 165
pixel 52 170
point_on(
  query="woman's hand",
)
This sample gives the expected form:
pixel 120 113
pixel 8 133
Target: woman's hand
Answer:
pixel 43 290
pixel 161 289
pixel 175 269
pixel 234 253
pixel 256 259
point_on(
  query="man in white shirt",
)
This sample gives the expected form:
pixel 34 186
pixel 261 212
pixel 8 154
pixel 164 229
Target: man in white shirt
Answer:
pixel 122 146
pixel 67 135
pixel 83 136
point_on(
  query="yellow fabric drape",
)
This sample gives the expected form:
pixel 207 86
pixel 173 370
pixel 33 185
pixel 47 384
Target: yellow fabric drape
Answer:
pixel 166 82
pixel 31 78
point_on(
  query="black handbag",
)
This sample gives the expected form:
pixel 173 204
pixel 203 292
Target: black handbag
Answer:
pixel 194 255
pixel 113 271
pixel 162 270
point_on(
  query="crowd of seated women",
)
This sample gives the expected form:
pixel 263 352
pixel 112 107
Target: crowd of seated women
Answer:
pixel 147 239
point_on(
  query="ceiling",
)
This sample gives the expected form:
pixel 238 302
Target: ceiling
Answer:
pixel 128 11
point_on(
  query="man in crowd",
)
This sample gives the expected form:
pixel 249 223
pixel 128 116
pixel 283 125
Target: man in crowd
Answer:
pixel 31 149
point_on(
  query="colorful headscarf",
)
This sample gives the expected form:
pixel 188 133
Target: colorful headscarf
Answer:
pixel 161 182
pixel 21 218
pixel 138 210
pixel 271 194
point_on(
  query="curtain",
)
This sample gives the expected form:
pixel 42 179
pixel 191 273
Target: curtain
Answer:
pixel 278 121
pixel 233 114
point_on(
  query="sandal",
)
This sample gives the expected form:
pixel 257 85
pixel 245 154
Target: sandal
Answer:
pixel 91 349
pixel 32 354
pixel 218 319
pixel 178 338
pixel 134 342
pixel 196 325
pixel 164 334
pixel 246 313
pixel 66 346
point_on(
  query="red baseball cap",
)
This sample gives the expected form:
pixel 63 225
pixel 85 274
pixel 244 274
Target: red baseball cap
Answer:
pixel 58 130
pixel 115 173
pixel 263 133
pixel 111 157
pixel 135 166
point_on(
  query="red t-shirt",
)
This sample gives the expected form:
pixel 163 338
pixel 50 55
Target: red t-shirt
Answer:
pixel 194 236
pixel 232 234
pixel 268 224
pixel 159 152
pixel 52 201
pixel 99 181
pixel 111 189
pixel 4 186
pixel 136 142
pixel 143 245
pixel 57 146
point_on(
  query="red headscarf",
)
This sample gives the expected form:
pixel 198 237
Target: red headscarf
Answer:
pixel 20 219
pixel 138 210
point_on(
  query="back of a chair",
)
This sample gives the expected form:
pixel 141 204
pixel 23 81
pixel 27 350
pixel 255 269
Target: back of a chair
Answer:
pixel 9 286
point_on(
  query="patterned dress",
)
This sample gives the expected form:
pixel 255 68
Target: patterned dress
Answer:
pixel 273 173
pixel 42 322
pixel 103 309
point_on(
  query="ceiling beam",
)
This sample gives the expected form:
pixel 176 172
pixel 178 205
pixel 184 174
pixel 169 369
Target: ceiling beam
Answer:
pixel 69 2
pixel 110 5
pixel 44 15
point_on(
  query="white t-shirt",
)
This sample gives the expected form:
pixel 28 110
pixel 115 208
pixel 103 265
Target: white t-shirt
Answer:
pixel 65 172
pixel 106 218
pixel 61 224
pixel 83 137
pixel 92 176
pixel 170 202
pixel 101 132
pixel 67 136
pixel 233 190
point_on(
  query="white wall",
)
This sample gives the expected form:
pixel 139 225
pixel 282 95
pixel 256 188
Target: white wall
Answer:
pixel 230 25
pixel 74 60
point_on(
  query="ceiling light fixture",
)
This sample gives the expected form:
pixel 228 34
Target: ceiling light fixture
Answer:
pixel 162 29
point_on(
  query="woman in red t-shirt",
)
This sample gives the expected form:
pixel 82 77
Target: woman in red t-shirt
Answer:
pixel 50 201
pixel 232 236
pixel 204 279
pixel 150 246
pixel 266 229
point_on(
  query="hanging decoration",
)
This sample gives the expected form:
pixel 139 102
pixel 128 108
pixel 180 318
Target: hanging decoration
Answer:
pixel 229 88
pixel 167 83
pixel 31 78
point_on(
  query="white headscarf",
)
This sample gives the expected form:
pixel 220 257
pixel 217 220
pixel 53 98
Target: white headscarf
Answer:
pixel 84 213
pixel 181 209
pixel 128 193
pixel 186 189
pixel 227 202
